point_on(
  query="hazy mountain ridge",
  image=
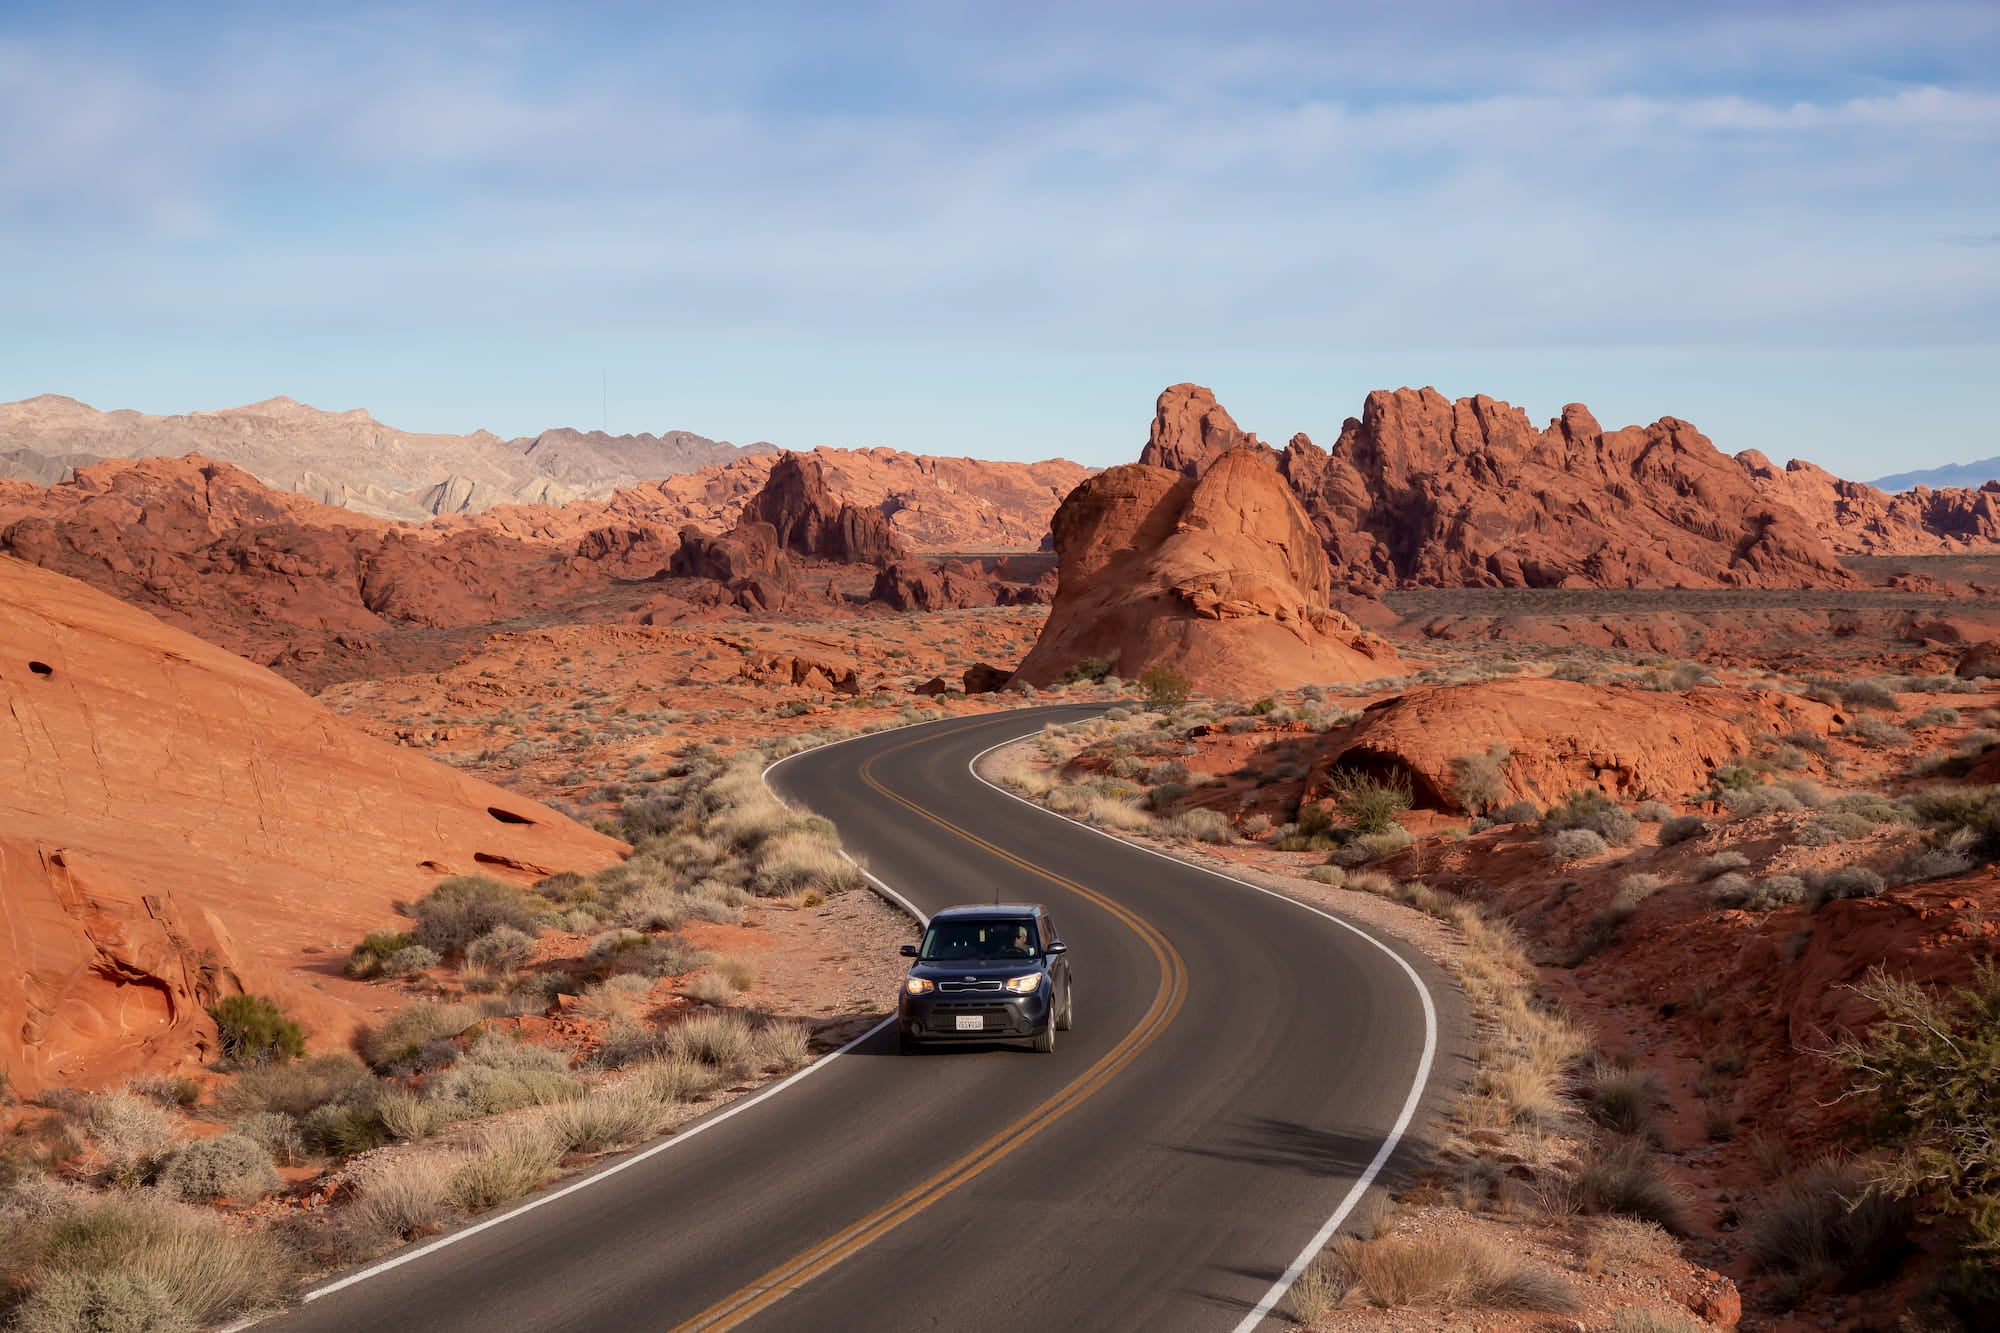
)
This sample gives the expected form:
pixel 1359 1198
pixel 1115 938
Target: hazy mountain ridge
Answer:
pixel 352 460
pixel 1968 476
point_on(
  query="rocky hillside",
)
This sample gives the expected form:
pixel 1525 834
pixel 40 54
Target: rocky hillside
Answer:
pixel 179 825
pixel 350 459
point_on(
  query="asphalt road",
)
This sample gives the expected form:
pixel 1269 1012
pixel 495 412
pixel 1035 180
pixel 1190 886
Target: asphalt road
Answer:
pixel 1236 1066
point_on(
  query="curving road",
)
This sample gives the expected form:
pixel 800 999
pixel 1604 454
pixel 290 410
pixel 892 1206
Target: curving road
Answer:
pixel 1239 1064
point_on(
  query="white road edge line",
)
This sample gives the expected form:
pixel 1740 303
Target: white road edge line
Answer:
pixel 1325 1233
pixel 397 1261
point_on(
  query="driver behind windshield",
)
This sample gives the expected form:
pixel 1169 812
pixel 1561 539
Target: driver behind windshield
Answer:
pixel 978 941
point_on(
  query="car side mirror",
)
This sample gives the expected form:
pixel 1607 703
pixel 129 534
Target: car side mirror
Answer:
pixel 908 951
pixel 1056 948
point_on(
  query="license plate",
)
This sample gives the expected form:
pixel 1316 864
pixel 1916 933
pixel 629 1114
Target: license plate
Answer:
pixel 971 1022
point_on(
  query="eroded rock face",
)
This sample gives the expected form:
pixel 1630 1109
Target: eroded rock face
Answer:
pixel 798 505
pixel 1858 519
pixel 1191 430
pixel 1221 578
pixel 177 824
pixel 1429 491
pixel 1562 736
pixel 745 561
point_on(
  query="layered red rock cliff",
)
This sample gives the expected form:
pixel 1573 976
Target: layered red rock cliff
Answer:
pixel 177 824
pixel 1221 578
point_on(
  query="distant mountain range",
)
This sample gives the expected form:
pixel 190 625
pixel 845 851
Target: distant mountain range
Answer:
pixel 1969 475
pixel 352 460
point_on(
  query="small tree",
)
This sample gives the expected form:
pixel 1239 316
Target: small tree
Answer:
pixel 1164 686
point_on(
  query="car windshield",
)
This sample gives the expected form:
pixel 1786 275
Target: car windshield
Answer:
pixel 978 940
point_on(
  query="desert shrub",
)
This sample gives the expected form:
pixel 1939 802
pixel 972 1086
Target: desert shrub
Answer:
pixel 407 1031
pixel 1874 731
pixel 1769 798
pixel 660 956
pixel 222 1166
pixel 1588 808
pixel 1255 824
pixel 1831 826
pixel 1575 844
pixel 1164 686
pixel 708 988
pixel 460 910
pixel 1201 825
pixel 1633 1319
pixel 296 1088
pixel 132 1133
pixel 252 1030
pixel 1828 1222
pixel 1931 1065
pixel 1934 862
pixel 277 1132
pixel 1092 670
pixel 1635 889
pixel 166 1089
pixel 1730 890
pixel 343 1129
pixel 507 1160
pixel 1623 1177
pixel 1479 781
pixel 1681 828
pixel 501 949
pixel 138 1262
pixel 1370 803
pixel 716 1037
pixel 801 860
pixel 1968 816
pixel 1937 715
pixel 1625 1099
pixel 1519 812
pixel 1733 890
pixel 498 1074
pixel 1865 693
pixel 1455 1272
pixel 1164 795
pixel 1652 812
pixel 1721 863
pixel 1847 882
pixel 367 958
pixel 408 962
pixel 408 1198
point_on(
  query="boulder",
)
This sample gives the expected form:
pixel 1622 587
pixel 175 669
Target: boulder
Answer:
pixel 809 522
pixel 1981 659
pixel 985 678
pixel 1220 577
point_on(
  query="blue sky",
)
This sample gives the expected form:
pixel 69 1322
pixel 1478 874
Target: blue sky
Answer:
pixel 999 229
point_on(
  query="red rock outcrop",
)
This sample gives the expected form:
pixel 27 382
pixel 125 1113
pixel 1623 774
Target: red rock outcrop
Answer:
pixel 932 504
pixel 745 561
pixel 1221 578
pixel 1423 490
pixel 1560 736
pixel 180 824
pixel 798 505
pixel 1191 430
pixel 1858 519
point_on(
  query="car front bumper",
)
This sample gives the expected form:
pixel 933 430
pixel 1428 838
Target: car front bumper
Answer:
pixel 1002 1016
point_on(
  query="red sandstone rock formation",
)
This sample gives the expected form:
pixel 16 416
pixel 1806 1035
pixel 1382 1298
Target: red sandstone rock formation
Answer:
pixel 1561 736
pixel 1858 519
pixel 811 523
pixel 746 562
pixel 1191 430
pixel 1423 490
pixel 177 824
pixel 1221 578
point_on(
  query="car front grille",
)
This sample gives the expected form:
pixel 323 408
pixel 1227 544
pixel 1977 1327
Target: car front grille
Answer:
pixel 999 1017
pixel 955 987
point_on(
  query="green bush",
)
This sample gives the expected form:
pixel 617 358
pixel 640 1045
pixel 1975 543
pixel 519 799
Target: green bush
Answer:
pixel 1931 1065
pixel 253 1030
pixel 1164 686
pixel 460 910
pixel 1370 803
pixel 222 1166
pixel 1091 669
pixel 368 956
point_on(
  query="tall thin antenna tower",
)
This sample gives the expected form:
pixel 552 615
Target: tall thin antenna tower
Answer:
pixel 604 400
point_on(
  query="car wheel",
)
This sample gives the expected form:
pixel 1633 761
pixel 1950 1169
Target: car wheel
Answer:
pixel 1045 1040
pixel 1068 1015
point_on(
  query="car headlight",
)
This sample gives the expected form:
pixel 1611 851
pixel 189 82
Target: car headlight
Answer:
pixel 1025 985
pixel 917 986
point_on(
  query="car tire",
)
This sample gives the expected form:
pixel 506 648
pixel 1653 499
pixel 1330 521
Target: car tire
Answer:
pixel 1068 1014
pixel 1045 1040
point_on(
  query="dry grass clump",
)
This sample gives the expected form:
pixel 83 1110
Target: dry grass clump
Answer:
pixel 406 1032
pixel 222 1166
pixel 132 1134
pixel 1623 1177
pixel 1614 1242
pixel 1200 825
pixel 1592 810
pixel 1453 1272
pixel 1479 781
pixel 1663 1320
pixel 131 1261
pixel 411 1197
pixel 1625 1099
pixel 507 1160
pixel 1825 1223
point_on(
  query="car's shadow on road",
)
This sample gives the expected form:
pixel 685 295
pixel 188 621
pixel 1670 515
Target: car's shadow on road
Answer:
pixel 1289 1146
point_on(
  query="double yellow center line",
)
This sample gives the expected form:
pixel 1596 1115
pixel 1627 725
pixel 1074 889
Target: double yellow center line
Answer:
pixel 794 1273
